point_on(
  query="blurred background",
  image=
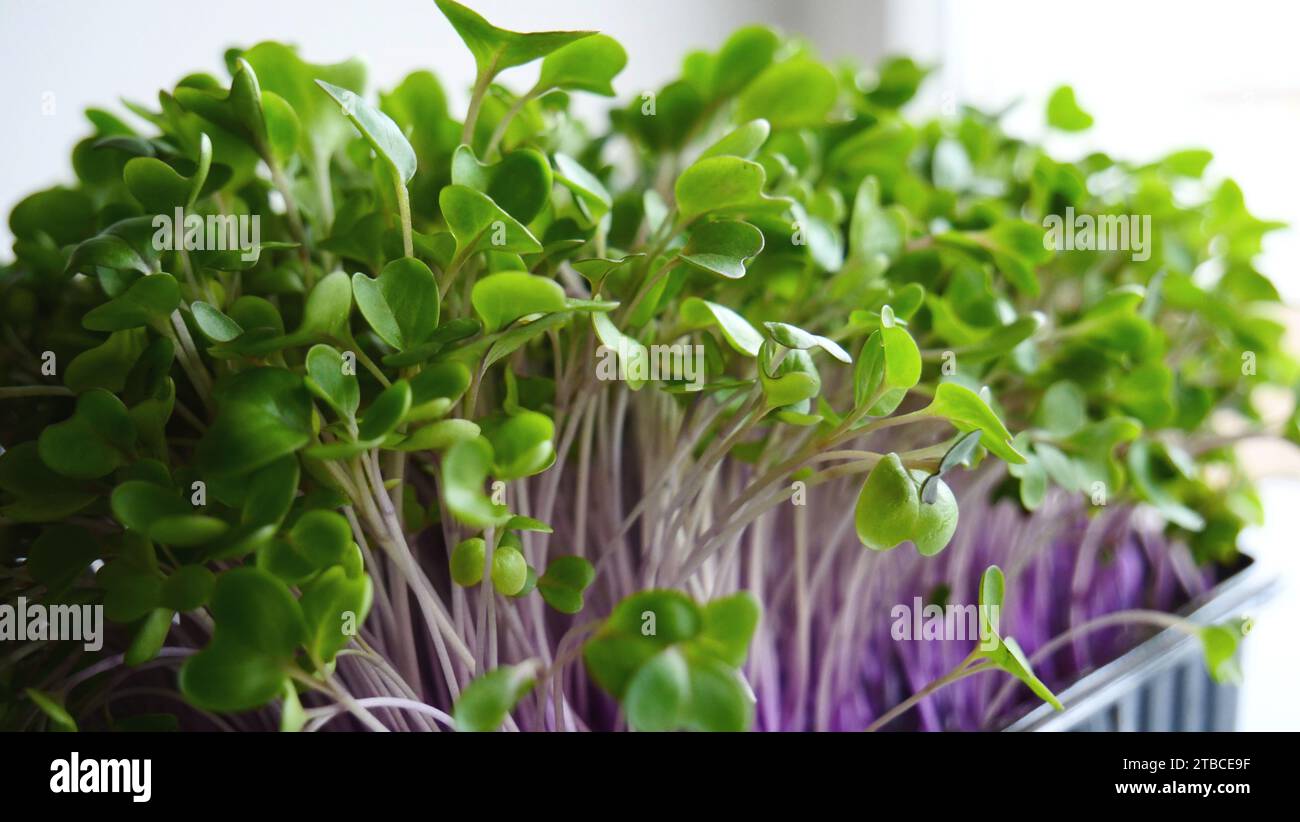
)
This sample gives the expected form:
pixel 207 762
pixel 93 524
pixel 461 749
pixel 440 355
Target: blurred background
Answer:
pixel 1157 76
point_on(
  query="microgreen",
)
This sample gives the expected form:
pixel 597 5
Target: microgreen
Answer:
pixel 384 450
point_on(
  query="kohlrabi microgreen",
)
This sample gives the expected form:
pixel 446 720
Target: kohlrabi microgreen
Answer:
pixel 347 408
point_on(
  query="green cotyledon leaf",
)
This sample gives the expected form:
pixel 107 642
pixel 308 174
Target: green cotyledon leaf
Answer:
pixel 262 118
pixel 793 93
pixel 698 313
pixel 724 185
pixel 496 49
pixel 1064 112
pixel 501 298
pixel 520 182
pixel 478 223
pixel 96 439
pixel 377 128
pixel 723 247
pixel 564 582
pixel 965 410
pixel 280 70
pixel 587 64
pixel 484 705
pixel 402 304
pixel 465 467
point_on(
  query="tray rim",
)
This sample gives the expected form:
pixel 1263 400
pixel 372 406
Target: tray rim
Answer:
pixel 1096 690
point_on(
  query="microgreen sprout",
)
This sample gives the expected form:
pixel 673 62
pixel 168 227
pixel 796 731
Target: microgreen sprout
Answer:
pixel 368 471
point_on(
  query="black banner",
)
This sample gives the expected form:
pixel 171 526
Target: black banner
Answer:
pixel 1039 773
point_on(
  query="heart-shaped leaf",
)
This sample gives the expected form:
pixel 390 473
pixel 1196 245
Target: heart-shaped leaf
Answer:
pixel 157 186
pixel 334 606
pixel 329 379
pixel 162 515
pixel 40 494
pixel 106 251
pixel 322 537
pixel 1065 113
pixel 791 94
pixel 258 611
pixel 148 302
pixel 108 365
pixel 729 625
pixel 564 581
pixel 723 247
pixel 597 269
pixel 99 437
pixel 659 692
pixel 720 701
pixel 501 298
pixel 327 309
pixel 271 493
pixel 724 185
pixel 478 223
pixel 402 304
pixel 743 56
pixel 588 64
pixel 497 49
pixel 673 119
pixel 445 381
pixel 520 183
pixel 263 119
pixel 484 705
pixel 228 675
pixel 281 71
pixel 263 414
pixel 188 588
pixel 64 215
